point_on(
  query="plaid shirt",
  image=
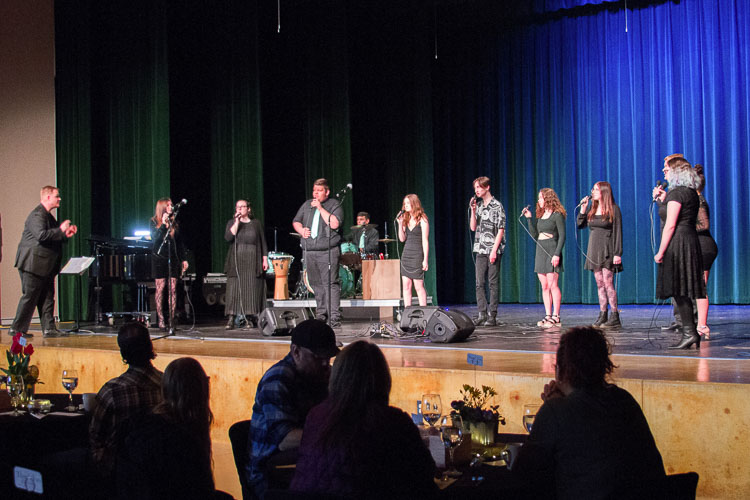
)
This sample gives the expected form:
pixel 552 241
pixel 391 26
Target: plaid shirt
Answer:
pixel 137 389
pixel 282 401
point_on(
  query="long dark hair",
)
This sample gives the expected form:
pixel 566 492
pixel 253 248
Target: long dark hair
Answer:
pixel 607 200
pixel 359 389
pixel 185 394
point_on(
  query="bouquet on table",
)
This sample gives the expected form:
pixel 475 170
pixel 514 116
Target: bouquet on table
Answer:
pixel 479 416
pixel 19 356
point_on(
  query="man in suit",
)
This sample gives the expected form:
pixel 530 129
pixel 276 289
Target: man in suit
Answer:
pixel 38 261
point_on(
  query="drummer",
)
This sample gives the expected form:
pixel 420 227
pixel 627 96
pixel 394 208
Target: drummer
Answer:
pixel 364 235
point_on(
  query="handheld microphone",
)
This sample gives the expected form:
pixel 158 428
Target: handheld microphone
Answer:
pixel 659 185
pixel 585 199
pixel 527 207
pixel 399 214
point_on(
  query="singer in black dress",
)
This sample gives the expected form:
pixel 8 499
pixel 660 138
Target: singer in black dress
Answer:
pixel 548 229
pixel 604 252
pixel 709 251
pixel 172 251
pixel 247 260
pixel 680 272
pixel 414 230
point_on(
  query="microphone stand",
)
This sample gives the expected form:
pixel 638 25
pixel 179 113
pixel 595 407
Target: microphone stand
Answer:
pixel 339 199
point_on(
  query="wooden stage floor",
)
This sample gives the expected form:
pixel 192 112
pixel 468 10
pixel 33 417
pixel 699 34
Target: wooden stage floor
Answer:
pixel 678 390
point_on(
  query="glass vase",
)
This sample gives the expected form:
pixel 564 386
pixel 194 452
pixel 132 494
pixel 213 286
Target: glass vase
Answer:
pixel 483 433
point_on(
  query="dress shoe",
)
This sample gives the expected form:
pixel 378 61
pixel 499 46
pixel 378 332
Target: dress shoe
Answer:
pixel 689 337
pixel 673 327
pixel 480 319
pixel 491 320
pixel 13 333
pixel 601 319
pixel 53 332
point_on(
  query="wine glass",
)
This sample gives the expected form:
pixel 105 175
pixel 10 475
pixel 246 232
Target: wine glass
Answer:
pixel 14 385
pixel 529 414
pixel 70 382
pixel 431 408
pixel 452 433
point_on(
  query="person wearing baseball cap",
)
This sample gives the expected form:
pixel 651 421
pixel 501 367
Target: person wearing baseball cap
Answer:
pixel 285 394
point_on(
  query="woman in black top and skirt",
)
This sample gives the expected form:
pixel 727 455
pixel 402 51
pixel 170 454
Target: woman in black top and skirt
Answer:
pixel 709 251
pixel 246 261
pixel 414 230
pixel 172 251
pixel 680 273
pixel 604 256
pixel 548 229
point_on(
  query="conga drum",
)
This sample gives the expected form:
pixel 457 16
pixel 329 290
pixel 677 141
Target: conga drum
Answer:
pixel 281 264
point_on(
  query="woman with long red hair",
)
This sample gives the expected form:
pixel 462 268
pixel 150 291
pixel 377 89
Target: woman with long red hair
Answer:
pixel 414 230
pixel 160 223
pixel 548 229
pixel 604 257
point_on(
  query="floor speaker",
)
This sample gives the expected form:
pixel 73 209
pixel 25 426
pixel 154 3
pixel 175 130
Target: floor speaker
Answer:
pixel 281 320
pixel 449 326
pixel 415 318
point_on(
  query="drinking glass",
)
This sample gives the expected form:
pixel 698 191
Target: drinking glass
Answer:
pixel 431 408
pixel 70 382
pixel 529 414
pixel 14 385
pixel 452 433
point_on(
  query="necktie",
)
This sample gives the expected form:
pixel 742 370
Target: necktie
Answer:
pixel 362 240
pixel 316 222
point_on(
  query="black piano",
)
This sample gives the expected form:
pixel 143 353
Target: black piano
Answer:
pixel 120 259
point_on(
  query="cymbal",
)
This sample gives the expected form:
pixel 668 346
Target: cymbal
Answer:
pixel 295 235
pixel 386 240
pixel 367 226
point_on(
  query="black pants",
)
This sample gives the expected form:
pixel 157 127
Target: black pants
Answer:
pixel 485 269
pixel 317 274
pixel 38 292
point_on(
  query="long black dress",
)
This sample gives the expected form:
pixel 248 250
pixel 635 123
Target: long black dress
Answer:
pixel 246 285
pixel 605 240
pixel 680 273
pixel 412 257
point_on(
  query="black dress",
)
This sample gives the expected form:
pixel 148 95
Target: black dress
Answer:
pixel 173 245
pixel 246 284
pixel 545 249
pixel 605 240
pixel 680 273
pixel 412 257
pixel 709 250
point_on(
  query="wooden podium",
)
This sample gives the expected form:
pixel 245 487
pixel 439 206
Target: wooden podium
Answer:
pixel 381 279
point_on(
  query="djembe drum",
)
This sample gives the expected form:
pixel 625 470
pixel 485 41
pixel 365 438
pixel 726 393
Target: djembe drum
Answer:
pixel 281 264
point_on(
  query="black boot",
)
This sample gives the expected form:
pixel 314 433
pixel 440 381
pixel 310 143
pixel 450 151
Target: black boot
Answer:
pixel 601 319
pixel 613 321
pixel 491 320
pixel 230 323
pixel 689 337
pixel 480 319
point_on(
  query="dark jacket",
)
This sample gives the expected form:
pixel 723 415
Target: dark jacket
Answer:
pixel 40 249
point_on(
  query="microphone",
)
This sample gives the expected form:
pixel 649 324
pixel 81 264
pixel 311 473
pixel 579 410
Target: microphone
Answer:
pixel 180 203
pixel 661 185
pixel 527 207
pixel 585 199
pixel 343 191
pixel 399 214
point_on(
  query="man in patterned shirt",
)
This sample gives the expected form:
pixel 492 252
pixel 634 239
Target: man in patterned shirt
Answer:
pixel 139 388
pixel 285 394
pixel 487 220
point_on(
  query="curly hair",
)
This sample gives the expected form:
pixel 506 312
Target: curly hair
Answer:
pixel 583 357
pixel 701 177
pixel 682 174
pixel 551 203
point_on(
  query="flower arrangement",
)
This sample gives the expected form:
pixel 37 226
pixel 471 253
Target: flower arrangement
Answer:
pixel 19 356
pixel 472 405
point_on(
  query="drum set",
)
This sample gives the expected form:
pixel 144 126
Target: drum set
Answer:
pixel 350 263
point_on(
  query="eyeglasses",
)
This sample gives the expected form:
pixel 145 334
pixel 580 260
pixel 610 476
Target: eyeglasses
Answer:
pixel 241 206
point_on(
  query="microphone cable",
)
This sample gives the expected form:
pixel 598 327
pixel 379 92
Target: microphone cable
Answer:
pixel 536 240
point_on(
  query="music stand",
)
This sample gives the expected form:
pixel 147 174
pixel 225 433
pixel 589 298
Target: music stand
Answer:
pixel 77 266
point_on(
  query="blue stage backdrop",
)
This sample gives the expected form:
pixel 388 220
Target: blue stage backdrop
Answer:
pixel 567 100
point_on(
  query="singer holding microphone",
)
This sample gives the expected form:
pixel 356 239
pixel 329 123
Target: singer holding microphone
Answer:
pixel 680 271
pixel 604 253
pixel 548 229
pixel 487 220
pixel 318 221
pixel 247 260
pixel 414 232
pixel 173 250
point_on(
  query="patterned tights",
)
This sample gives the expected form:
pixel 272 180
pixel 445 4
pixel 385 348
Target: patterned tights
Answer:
pixel 606 288
pixel 160 284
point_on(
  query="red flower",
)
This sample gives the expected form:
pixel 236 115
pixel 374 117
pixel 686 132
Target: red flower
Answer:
pixel 16 348
pixel 16 337
pixel 28 350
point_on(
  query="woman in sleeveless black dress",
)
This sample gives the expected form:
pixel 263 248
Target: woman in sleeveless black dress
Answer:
pixel 604 252
pixel 680 273
pixel 414 231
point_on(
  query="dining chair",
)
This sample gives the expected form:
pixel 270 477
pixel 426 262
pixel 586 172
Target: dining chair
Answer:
pixel 682 486
pixel 239 433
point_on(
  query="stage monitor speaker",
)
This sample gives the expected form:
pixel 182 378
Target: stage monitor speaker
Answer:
pixel 281 320
pixel 449 326
pixel 415 318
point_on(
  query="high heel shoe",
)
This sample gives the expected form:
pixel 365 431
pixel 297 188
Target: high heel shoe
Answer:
pixel 689 337
pixel 704 331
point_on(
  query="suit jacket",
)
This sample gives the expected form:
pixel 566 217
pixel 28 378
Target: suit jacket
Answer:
pixel 40 249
